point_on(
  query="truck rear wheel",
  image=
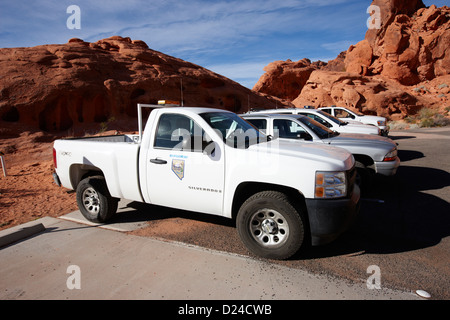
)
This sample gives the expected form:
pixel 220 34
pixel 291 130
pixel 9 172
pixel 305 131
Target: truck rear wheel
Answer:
pixel 270 226
pixel 94 200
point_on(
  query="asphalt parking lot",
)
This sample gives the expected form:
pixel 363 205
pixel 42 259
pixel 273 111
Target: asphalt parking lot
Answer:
pixel 403 226
pixel 403 230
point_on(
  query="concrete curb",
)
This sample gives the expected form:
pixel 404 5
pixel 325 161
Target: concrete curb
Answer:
pixel 18 233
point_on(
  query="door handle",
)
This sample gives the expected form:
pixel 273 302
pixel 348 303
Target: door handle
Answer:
pixel 158 161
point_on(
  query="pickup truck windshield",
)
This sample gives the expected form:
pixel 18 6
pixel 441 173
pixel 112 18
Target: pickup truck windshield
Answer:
pixel 320 130
pixel 332 118
pixel 234 131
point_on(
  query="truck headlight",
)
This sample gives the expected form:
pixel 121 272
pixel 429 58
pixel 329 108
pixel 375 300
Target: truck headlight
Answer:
pixel 330 185
pixel 381 123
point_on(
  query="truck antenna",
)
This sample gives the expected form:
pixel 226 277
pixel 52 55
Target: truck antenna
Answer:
pixel 181 91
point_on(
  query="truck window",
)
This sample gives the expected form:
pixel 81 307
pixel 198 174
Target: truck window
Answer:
pixel 317 118
pixel 320 130
pixel 179 132
pixel 235 131
pixel 260 124
pixel 287 129
pixel 340 113
pixel 327 110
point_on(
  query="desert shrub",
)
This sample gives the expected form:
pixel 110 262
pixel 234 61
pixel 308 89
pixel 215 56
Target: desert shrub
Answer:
pixel 426 113
pixel 447 109
pixel 428 118
pixel 441 121
pixel 410 119
pixel 427 123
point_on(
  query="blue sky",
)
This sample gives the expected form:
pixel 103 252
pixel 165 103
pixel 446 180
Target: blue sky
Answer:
pixel 235 38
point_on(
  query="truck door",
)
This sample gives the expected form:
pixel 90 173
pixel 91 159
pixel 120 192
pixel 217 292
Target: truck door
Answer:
pixel 181 173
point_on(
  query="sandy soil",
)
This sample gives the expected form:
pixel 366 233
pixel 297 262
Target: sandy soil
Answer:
pixel 28 192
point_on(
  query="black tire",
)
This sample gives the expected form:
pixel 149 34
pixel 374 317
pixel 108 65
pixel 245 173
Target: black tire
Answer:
pixel 94 200
pixel 270 226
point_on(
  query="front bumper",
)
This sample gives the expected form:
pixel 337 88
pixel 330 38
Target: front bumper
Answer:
pixel 387 168
pixel 330 218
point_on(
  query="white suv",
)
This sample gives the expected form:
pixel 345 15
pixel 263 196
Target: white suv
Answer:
pixel 327 120
pixel 348 115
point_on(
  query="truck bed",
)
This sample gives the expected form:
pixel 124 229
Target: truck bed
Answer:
pixel 116 157
pixel 127 138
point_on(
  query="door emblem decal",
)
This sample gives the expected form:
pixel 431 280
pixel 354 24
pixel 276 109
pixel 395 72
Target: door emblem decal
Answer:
pixel 178 168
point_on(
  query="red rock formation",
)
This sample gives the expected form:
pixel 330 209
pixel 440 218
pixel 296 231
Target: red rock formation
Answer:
pixel 414 46
pixel 57 87
pixel 359 58
pixel 285 79
pixel 383 74
pixel 361 93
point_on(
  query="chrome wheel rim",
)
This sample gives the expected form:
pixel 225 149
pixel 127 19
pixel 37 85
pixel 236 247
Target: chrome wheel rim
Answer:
pixel 91 200
pixel 269 228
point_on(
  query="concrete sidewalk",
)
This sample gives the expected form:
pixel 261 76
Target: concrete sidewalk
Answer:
pixel 108 264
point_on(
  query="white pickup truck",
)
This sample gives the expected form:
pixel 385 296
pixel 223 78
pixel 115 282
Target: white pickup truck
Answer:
pixel 348 115
pixel 282 197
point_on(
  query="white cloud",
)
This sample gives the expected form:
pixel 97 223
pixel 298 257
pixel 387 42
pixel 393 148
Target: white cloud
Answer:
pixel 246 73
pixel 338 46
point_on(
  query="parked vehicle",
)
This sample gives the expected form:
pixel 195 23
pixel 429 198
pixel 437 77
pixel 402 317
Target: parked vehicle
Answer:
pixel 349 115
pixel 212 161
pixel 326 119
pixel 372 153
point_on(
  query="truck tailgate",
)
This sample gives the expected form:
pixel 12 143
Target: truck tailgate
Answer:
pixel 118 161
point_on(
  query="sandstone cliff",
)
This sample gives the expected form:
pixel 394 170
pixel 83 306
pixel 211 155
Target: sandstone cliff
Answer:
pixel 395 71
pixel 57 87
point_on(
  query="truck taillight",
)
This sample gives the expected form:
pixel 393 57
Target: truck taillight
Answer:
pixel 54 158
pixel 391 156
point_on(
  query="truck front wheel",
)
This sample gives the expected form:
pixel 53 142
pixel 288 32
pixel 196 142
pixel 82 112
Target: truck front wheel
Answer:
pixel 270 226
pixel 94 200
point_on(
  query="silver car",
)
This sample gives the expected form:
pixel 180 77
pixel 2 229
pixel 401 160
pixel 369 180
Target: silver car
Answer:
pixel 372 153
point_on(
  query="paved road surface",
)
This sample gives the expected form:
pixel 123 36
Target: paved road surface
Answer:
pixel 75 261
pixel 403 229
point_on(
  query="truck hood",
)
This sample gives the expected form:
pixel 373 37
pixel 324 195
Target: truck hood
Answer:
pixel 329 156
pixel 368 120
pixel 362 139
pixel 376 146
pixel 356 126
pixel 373 118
